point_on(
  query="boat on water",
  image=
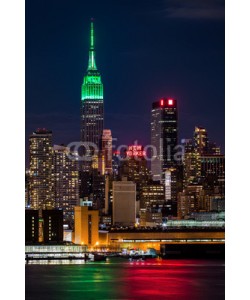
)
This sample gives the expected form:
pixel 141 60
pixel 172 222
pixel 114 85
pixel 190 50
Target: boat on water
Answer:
pixel 98 257
pixel 133 254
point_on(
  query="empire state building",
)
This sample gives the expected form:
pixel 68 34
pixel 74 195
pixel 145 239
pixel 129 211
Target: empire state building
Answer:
pixel 92 114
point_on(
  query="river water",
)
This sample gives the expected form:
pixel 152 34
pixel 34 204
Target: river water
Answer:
pixel 120 279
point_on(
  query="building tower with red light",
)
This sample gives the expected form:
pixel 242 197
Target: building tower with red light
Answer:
pixel 164 140
pixel 164 136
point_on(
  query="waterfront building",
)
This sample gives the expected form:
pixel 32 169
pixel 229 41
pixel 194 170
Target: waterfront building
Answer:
pixel 65 182
pixel 178 232
pixel 86 226
pixel 92 114
pixel 208 216
pixel 52 225
pixel 67 234
pixel 31 226
pixel 40 176
pixel 124 202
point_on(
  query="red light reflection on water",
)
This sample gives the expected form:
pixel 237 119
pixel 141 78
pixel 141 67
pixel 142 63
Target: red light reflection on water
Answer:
pixel 170 279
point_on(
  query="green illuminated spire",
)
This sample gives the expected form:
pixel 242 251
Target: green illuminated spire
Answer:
pixel 92 87
pixel 92 65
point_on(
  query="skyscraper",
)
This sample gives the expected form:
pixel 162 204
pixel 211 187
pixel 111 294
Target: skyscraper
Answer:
pixel 41 160
pixel 65 182
pixel 201 140
pixel 164 139
pixel 107 150
pixel 91 104
pixel 191 163
pixel 164 135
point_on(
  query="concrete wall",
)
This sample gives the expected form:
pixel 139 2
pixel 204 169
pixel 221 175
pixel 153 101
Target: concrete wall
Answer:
pixel 124 202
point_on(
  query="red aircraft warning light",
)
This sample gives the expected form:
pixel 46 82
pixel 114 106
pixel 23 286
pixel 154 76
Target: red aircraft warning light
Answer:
pixel 170 101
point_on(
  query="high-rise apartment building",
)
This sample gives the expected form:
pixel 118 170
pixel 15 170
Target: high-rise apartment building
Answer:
pixel 40 176
pixel 65 181
pixel 91 106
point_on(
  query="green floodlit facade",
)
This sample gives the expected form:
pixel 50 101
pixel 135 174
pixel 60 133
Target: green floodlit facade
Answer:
pixel 92 109
pixel 92 87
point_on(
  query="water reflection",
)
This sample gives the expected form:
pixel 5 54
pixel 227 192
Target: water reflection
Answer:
pixel 122 279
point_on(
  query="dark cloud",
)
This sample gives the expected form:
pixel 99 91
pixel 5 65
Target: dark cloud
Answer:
pixel 195 9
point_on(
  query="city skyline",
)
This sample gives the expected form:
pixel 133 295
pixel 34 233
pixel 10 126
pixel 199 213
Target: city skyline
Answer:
pixel 127 122
pixel 144 110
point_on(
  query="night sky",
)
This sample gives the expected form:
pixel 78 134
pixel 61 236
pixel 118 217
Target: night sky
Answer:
pixel 145 50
